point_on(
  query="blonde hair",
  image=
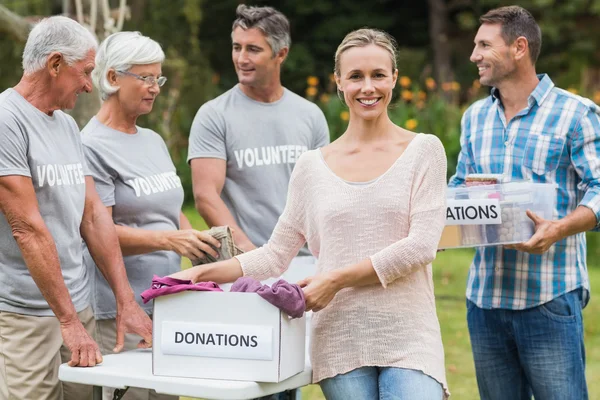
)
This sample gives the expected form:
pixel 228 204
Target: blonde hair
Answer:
pixel 364 37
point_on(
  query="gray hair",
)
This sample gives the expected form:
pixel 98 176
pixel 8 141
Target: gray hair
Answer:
pixel 121 51
pixel 56 34
pixel 272 23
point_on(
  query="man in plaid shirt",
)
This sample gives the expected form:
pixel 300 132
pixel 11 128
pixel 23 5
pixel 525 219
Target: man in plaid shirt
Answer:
pixel 524 302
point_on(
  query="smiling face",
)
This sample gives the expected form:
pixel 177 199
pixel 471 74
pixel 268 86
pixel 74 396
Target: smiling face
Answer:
pixel 253 57
pixel 71 80
pixel 367 80
pixel 492 55
pixel 135 96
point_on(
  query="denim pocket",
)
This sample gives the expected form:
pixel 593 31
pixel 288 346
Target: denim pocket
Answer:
pixel 562 308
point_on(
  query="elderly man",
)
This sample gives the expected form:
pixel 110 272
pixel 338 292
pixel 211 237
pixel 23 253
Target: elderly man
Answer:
pixel 47 205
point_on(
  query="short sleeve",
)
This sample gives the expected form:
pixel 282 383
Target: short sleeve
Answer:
pixel 103 177
pixel 13 148
pixel 207 135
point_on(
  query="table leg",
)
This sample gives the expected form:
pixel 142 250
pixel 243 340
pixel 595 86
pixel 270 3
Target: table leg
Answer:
pixel 119 393
pixel 97 393
pixel 294 394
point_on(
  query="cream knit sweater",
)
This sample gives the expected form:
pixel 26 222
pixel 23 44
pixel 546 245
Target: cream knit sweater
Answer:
pixel 396 221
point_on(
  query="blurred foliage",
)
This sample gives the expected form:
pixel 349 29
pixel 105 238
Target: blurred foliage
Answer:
pixel 317 27
pixel 196 36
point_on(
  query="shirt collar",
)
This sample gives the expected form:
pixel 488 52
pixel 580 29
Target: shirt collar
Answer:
pixel 541 91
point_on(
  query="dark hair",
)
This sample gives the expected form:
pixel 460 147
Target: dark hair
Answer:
pixel 516 21
pixel 273 24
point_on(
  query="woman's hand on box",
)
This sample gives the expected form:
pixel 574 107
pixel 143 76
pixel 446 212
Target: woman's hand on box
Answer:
pixel 218 272
pixel 319 290
pixel 186 275
pixel 546 234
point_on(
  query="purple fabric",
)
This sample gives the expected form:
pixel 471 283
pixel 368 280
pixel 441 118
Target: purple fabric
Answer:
pixel 162 286
pixel 288 297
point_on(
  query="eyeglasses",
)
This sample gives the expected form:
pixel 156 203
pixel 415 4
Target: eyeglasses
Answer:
pixel 148 80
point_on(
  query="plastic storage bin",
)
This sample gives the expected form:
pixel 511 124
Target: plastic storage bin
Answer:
pixel 491 215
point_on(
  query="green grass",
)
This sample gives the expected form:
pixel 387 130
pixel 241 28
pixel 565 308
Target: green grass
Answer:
pixel 450 277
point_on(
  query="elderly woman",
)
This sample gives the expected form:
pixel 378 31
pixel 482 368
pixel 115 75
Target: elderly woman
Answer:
pixel 136 180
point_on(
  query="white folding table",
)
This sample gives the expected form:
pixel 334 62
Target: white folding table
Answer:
pixel 134 369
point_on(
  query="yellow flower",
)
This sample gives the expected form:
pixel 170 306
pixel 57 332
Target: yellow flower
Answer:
pixel 312 81
pixel 406 95
pixel 476 84
pixel 324 98
pixel 422 95
pixel 430 83
pixel 411 124
pixel 332 78
pixel 311 91
pixel 404 81
pixel 573 90
pixel 344 116
pixel 455 86
pixel 597 97
pixel 420 105
pixel 447 86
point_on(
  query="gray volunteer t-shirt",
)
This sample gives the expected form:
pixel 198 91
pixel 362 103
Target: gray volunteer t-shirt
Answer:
pixel 134 174
pixel 48 150
pixel 261 143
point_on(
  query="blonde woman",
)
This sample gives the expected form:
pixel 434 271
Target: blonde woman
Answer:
pixel 371 207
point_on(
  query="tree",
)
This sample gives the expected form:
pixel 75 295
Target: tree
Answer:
pixel 14 25
pixel 18 28
pixel 438 34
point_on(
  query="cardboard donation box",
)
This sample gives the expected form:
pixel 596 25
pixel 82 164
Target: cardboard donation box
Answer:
pixel 491 215
pixel 223 335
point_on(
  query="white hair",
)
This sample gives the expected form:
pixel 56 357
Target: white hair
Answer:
pixel 56 34
pixel 121 51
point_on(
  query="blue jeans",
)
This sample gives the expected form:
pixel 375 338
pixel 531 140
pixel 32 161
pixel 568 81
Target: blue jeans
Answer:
pixel 538 351
pixel 372 383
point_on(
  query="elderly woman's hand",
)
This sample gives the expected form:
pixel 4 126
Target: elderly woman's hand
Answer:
pixel 192 244
pixel 319 290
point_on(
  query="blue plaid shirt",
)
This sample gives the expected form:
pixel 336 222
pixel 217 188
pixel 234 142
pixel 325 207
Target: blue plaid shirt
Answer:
pixel 555 139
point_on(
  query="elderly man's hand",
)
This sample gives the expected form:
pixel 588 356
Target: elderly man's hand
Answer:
pixel 132 319
pixel 84 350
pixel 546 234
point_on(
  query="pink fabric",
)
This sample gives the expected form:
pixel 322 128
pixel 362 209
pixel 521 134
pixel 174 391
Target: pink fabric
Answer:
pixel 162 286
pixel 288 297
